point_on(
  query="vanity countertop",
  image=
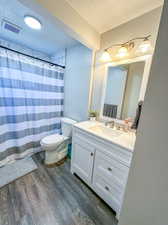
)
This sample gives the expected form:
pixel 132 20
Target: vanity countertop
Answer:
pixel 120 138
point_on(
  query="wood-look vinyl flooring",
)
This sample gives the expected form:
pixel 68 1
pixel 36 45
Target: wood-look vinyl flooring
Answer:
pixel 52 196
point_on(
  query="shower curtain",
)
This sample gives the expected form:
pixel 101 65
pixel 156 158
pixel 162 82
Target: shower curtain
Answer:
pixel 31 104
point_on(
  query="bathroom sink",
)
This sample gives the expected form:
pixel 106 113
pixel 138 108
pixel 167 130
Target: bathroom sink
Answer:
pixel 119 137
pixel 105 131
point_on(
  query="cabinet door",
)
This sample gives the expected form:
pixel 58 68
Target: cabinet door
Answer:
pixel 82 162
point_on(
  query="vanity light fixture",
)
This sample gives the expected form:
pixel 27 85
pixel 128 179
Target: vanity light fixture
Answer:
pixel 145 46
pixel 127 47
pixel 106 56
pixel 33 22
pixel 122 52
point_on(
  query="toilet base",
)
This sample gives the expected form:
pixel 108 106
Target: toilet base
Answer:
pixel 57 163
pixel 53 157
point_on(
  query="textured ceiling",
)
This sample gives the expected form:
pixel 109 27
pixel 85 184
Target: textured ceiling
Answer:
pixel 104 15
pixel 48 40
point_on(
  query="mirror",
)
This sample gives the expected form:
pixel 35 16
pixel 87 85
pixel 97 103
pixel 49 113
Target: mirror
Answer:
pixel 122 90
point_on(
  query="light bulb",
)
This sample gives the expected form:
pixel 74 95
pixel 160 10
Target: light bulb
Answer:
pixel 122 52
pixel 105 56
pixel 144 46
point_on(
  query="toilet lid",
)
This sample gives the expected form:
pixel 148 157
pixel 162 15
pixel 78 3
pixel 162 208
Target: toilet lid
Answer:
pixel 53 139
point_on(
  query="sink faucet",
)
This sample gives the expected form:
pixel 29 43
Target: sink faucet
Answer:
pixel 110 123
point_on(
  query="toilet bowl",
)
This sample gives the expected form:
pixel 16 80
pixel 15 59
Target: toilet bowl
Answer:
pixel 56 145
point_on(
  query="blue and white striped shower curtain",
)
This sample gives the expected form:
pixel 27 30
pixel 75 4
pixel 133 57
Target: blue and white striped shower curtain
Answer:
pixel 31 104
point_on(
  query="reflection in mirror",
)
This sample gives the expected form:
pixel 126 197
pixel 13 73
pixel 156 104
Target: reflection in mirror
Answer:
pixel 122 92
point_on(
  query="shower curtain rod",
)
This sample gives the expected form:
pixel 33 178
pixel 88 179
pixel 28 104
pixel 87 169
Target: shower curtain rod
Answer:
pixel 21 53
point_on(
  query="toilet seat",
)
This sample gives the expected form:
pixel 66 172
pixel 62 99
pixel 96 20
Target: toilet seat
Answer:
pixel 51 141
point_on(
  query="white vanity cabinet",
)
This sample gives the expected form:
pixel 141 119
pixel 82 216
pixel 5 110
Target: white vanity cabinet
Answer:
pixel 104 166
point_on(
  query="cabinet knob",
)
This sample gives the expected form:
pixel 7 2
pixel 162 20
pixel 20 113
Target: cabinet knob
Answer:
pixel 91 154
pixel 109 169
pixel 107 188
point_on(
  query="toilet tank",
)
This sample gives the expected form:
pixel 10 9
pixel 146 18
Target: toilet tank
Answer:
pixel 66 126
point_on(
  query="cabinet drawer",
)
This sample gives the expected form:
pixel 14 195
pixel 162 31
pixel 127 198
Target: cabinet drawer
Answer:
pixel 109 192
pixel 111 169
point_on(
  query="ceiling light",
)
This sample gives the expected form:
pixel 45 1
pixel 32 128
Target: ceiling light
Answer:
pixel 122 52
pixel 105 56
pixel 144 46
pixel 32 22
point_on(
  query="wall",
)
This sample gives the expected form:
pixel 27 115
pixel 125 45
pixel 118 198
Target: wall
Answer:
pixel 133 87
pixel 146 198
pixel 59 57
pixel 141 26
pixel 23 49
pixel 77 82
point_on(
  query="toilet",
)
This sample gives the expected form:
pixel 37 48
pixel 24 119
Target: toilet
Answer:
pixel 56 145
